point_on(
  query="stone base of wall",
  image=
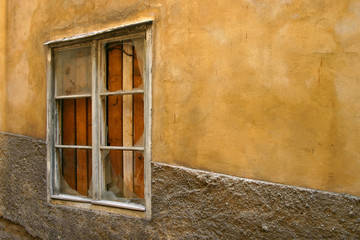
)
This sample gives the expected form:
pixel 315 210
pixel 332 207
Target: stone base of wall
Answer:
pixel 10 230
pixel 187 204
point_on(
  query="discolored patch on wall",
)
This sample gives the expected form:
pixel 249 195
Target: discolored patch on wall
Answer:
pixel 11 230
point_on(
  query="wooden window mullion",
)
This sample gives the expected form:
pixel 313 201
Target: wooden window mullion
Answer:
pixel 128 166
pixel 114 109
pixel 81 139
pixel 89 140
pixel 138 130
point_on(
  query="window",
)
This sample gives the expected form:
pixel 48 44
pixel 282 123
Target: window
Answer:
pixel 99 119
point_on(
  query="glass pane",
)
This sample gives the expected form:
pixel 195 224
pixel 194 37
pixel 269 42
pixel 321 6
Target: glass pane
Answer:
pixel 73 71
pixel 125 120
pixel 125 66
pixel 123 176
pixel 76 121
pixel 75 168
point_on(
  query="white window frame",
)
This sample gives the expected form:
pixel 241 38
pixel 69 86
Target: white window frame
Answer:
pixel 98 40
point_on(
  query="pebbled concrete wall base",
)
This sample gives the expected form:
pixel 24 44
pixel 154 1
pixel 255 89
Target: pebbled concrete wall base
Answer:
pixel 187 204
pixel 10 230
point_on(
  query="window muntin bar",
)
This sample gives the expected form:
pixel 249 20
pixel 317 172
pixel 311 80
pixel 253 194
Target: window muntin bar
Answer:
pixel 122 148
pixel 73 96
pixel 134 91
pixel 73 146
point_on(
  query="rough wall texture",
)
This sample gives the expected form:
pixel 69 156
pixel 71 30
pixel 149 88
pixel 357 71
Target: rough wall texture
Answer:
pixel 187 204
pixel 12 231
pixel 2 59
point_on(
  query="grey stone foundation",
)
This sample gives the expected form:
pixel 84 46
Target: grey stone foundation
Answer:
pixel 187 204
pixel 10 230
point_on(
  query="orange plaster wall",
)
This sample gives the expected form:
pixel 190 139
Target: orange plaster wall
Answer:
pixel 266 90
pixel 2 59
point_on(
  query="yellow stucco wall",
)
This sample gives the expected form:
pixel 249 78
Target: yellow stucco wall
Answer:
pixel 2 58
pixel 266 90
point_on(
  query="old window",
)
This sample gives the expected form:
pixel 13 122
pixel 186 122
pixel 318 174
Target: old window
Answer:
pixel 99 107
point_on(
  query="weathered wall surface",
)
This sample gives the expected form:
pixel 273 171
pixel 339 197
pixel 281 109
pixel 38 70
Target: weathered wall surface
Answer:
pixel 2 58
pixel 187 204
pixel 266 90
pixel 12 231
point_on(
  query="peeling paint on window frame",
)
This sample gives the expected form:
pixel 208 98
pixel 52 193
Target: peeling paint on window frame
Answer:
pixel 98 40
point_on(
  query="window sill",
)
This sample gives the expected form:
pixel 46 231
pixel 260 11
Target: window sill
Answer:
pixel 131 209
pixel 130 206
